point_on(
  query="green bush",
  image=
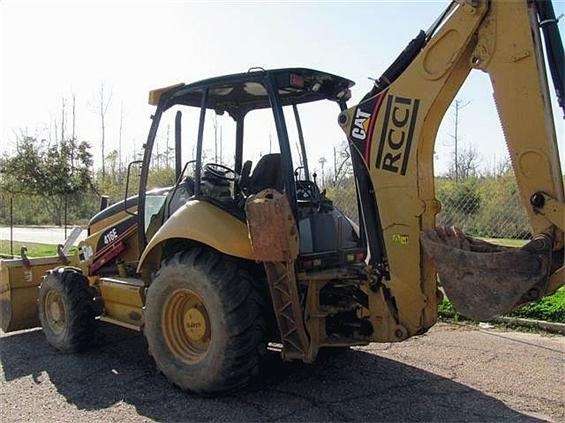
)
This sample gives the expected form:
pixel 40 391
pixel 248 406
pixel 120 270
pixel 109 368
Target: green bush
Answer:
pixel 550 309
pixel 446 310
pixel 483 206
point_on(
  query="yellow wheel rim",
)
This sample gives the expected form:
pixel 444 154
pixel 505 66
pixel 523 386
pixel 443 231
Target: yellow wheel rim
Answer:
pixel 186 326
pixel 55 311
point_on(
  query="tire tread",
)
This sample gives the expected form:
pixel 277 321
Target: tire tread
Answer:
pixel 242 309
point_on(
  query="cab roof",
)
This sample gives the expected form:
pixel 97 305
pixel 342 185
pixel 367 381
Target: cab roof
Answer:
pixel 241 92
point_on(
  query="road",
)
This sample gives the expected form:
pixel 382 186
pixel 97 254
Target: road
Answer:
pixel 39 234
pixel 453 373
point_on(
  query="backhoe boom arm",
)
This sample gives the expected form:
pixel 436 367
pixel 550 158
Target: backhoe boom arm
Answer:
pixel 393 131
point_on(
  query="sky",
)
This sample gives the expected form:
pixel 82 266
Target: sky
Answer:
pixel 50 50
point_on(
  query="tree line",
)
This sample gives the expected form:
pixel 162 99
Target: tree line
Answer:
pixel 46 181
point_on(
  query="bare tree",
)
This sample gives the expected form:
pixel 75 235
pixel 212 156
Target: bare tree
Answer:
pixel 499 167
pixel 103 100
pixel 322 162
pixel 62 119
pixel 458 106
pixel 167 148
pixel 120 138
pixel 55 130
pixel 342 163
pixel 467 164
pixel 74 115
pixel 73 126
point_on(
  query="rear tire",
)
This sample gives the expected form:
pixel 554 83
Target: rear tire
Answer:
pixel 67 310
pixel 203 322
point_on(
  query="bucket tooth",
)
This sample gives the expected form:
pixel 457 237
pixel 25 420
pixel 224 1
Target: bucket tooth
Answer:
pixel 485 280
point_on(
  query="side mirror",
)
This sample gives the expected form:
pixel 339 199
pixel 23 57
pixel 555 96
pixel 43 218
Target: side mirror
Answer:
pixel 135 162
pixel 103 202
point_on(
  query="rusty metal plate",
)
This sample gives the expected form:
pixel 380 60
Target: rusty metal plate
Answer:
pixel 481 279
pixel 272 228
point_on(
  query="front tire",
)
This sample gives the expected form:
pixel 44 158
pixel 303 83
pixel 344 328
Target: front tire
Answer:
pixel 66 310
pixel 203 322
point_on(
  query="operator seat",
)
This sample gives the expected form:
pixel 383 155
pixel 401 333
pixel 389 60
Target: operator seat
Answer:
pixel 267 174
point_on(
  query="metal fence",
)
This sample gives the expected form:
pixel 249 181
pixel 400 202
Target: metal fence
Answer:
pixel 486 207
pixel 23 213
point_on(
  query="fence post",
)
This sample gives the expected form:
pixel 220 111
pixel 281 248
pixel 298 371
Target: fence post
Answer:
pixel 12 225
pixel 65 215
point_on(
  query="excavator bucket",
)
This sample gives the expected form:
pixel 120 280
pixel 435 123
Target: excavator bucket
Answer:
pixel 484 280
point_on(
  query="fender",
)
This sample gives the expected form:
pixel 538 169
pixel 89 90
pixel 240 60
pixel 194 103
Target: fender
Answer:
pixel 203 222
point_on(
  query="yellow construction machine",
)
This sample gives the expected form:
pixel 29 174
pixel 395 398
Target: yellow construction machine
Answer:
pixel 230 259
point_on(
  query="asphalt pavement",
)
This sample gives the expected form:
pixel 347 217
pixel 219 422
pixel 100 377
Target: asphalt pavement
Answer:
pixel 38 234
pixel 453 373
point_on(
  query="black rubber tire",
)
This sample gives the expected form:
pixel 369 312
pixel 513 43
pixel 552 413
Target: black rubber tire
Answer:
pixel 334 351
pixel 238 339
pixel 79 305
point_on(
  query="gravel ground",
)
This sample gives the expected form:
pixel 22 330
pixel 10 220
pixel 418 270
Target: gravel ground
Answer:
pixel 454 373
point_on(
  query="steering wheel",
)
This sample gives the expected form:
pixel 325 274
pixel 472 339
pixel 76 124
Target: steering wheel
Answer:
pixel 307 190
pixel 220 171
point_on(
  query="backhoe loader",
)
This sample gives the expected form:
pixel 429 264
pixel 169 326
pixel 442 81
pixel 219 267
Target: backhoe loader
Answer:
pixel 231 259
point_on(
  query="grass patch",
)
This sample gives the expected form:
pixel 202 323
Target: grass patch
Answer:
pixel 33 249
pixel 446 310
pixel 550 309
pixel 507 242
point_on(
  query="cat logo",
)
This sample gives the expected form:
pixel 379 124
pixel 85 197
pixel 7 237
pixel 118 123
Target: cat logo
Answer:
pixel 360 125
pixel 397 133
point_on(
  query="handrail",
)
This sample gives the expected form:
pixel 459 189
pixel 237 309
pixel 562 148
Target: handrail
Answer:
pixel 127 187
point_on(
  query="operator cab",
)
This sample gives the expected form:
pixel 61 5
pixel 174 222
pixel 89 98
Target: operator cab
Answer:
pixel 327 236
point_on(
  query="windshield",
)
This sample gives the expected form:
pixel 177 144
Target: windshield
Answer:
pixel 153 204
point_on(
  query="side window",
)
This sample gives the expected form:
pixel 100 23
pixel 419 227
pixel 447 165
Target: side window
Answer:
pixel 324 142
pixel 153 205
pixel 327 153
pixel 163 156
pixel 162 165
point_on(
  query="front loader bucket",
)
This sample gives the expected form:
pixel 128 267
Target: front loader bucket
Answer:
pixel 19 288
pixel 484 280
